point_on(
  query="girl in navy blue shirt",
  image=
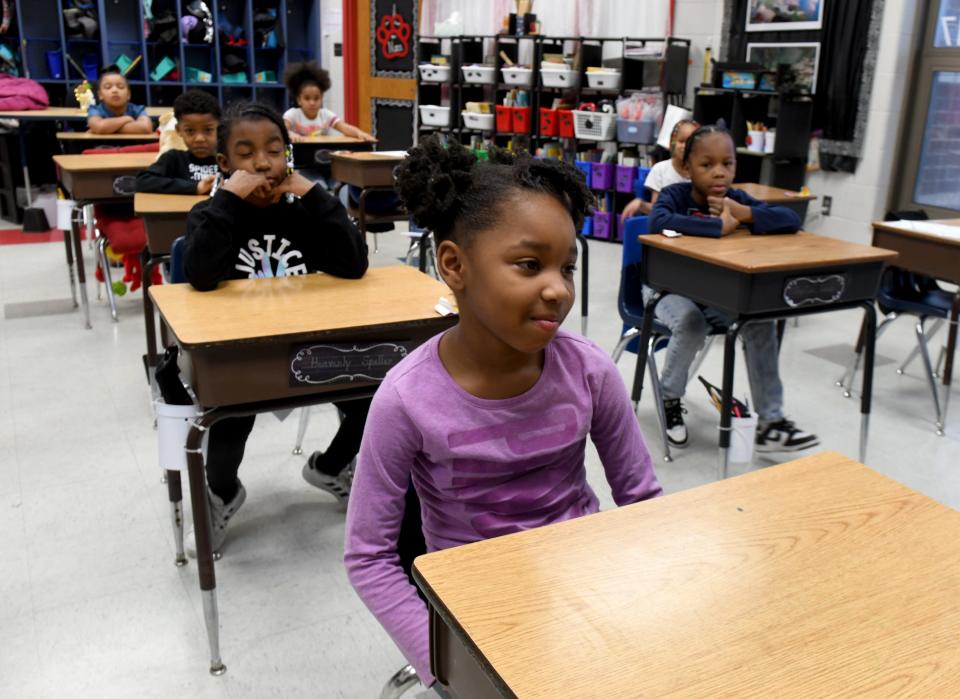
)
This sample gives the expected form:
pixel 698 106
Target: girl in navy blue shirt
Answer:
pixel 708 206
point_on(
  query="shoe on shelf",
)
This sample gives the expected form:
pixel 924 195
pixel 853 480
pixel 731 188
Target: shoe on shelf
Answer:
pixel 676 429
pixel 220 514
pixel 338 486
pixel 783 436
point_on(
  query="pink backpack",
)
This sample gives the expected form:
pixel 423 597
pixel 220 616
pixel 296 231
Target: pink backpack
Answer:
pixel 21 94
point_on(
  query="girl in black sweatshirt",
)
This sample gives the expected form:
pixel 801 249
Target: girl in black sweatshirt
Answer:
pixel 267 221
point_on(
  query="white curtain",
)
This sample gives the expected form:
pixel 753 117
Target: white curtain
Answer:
pixel 639 18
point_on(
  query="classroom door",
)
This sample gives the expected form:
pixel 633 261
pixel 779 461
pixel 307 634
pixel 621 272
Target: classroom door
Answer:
pixel 379 38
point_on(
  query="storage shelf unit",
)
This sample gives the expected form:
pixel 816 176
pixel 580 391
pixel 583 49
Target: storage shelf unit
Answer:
pixel 122 29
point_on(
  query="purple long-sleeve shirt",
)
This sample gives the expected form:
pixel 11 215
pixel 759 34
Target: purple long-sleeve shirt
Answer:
pixel 482 468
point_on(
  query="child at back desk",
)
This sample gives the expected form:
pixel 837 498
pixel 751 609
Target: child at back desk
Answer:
pixel 307 82
pixel 666 172
pixel 194 170
pixel 708 206
pixel 114 113
pixel 249 229
pixel 491 418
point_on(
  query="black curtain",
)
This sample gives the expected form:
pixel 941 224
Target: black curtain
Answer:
pixel 843 47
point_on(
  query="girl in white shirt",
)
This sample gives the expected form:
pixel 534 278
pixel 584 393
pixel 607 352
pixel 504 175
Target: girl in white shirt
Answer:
pixel 307 82
pixel 666 172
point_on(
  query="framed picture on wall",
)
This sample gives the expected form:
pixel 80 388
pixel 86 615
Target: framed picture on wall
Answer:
pixel 784 15
pixel 801 59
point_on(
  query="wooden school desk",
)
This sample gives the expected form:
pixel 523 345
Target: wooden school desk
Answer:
pixel 164 219
pixel 760 278
pixel 814 578
pixel 90 179
pixel 249 346
pixel 29 116
pixel 936 254
pixel 793 200
pixel 75 142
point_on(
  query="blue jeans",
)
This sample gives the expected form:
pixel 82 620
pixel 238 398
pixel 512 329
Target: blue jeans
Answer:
pixel 689 325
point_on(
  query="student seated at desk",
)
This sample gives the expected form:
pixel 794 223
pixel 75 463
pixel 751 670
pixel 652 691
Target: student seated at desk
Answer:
pixel 707 206
pixel 489 419
pixel 114 113
pixel 666 172
pixel 307 82
pixel 194 170
pixel 267 221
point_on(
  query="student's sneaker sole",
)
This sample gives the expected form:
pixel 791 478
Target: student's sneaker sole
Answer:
pixel 338 486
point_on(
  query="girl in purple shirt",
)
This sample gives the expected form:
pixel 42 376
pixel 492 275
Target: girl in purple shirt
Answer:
pixel 490 419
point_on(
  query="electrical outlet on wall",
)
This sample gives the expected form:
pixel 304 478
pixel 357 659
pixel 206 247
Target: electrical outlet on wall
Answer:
pixel 825 207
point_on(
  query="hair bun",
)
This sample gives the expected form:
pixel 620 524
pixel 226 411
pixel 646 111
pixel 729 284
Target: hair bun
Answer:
pixel 432 180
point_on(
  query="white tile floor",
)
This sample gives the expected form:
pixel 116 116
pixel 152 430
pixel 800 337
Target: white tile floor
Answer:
pixel 92 604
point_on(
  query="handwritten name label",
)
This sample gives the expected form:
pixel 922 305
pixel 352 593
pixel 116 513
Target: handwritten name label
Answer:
pixel 344 363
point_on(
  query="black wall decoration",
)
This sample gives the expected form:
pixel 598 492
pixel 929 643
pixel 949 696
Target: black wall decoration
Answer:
pixel 393 123
pixel 393 29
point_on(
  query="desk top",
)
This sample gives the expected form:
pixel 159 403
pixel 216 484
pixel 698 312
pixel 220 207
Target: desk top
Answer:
pixel 109 162
pixel 771 195
pixel 66 113
pixel 753 254
pixel 145 204
pixel 251 309
pixel 818 577
pixel 331 140
pixel 891 227
pixel 88 136
pixel 368 156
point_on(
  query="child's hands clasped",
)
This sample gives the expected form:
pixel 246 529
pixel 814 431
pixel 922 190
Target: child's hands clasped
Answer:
pixel 294 183
pixel 206 184
pixel 243 184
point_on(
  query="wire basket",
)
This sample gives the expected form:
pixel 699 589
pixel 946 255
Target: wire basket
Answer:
pixel 595 126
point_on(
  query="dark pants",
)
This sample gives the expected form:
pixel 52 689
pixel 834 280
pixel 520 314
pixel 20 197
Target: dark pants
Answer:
pixel 228 438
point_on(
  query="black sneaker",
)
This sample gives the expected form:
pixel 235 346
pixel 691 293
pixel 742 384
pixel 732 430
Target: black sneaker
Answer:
pixel 676 429
pixel 783 436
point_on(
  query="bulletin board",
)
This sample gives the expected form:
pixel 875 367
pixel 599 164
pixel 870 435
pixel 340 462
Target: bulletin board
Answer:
pixel 393 30
pixel 393 123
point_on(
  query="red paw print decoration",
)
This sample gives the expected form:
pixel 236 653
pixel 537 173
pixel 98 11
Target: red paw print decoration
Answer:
pixel 393 35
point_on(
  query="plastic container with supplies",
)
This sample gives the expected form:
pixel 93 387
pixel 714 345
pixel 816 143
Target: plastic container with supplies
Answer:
pixel 604 79
pixel 477 120
pixel 565 126
pixel 586 167
pixel 743 435
pixel 638 185
pixel 434 115
pixel 521 119
pixel 636 131
pixel 504 119
pixel 430 73
pixel 755 141
pixel 548 121
pixel 594 126
pixel 625 177
pixel 601 176
pixel 559 77
pixel 479 74
pixel 517 75
pixel 604 225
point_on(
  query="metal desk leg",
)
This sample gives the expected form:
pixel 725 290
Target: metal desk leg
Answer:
pixel 869 345
pixel 584 283
pixel 362 213
pixel 204 536
pixel 175 493
pixel 68 244
pixel 81 271
pixel 23 161
pixel 645 333
pixel 951 351
pixel 148 262
pixel 726 397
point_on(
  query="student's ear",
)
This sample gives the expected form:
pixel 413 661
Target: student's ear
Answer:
pixel 221 160
pixel 450 264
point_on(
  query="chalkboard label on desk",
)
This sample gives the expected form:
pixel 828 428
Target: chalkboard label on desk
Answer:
pixel 814 290
pixel 344 363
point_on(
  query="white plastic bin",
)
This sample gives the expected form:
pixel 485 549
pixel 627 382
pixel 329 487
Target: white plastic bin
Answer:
pixel 743 435
pixel 517 75
pixel 559 77
pixel 434 115
pixel 595 126
pixel 480 74
pixel 604 80
pixel 173 424
pixel 476 120
pixel 64 211
pixel 430 73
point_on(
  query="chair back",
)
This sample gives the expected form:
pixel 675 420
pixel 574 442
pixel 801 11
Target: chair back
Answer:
pixel 630 297
pixel 177 275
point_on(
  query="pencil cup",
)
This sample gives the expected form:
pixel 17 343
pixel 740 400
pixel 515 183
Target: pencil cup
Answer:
pixel 755 141
pixel 173 424
pixel 743 432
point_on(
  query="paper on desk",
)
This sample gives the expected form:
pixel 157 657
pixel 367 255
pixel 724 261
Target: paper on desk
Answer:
pixel 391 153
pixel 928 227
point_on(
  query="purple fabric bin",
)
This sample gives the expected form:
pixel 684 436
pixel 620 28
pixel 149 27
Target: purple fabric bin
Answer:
pixel 602 176
pixel 625 177
pixel 603 225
